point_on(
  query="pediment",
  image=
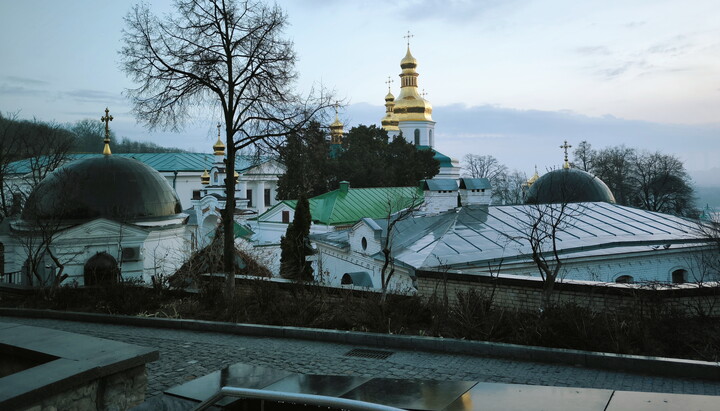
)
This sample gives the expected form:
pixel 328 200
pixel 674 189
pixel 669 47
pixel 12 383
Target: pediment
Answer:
pixel 102 228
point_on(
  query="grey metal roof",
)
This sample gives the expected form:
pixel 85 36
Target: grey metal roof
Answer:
pixel 475 183
pixel 474 236
pixel 440 184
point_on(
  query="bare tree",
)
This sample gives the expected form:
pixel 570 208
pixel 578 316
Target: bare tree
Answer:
pixel 509 189
pixel 584 155
pixel 387 272
pixel 662 184
pixel 225 53
pixel 487 166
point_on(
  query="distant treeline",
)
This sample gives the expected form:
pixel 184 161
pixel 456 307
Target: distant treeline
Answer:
pixel 84 136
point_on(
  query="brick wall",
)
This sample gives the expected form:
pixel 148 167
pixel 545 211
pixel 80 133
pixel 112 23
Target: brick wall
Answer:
pixel 526 294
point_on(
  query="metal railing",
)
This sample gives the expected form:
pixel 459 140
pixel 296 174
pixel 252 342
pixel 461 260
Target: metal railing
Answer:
pixel 305 399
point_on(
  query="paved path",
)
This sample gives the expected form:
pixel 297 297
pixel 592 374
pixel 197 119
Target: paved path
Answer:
pixel 186 355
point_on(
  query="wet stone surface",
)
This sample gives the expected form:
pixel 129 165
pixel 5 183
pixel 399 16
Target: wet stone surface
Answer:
pixel 186 355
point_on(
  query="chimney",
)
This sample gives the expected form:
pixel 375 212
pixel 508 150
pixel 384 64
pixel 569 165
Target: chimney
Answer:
pixel 344 186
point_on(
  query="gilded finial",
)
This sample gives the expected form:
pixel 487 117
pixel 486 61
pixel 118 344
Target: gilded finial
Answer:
pixel 107 118
pixel 219 147
pixel 565 147
pixel 205 178
pixel 389 82
pixel 408 36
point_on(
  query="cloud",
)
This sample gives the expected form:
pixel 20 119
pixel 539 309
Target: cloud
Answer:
pixel 11 90
pixel 92 96
pixel 593 50
pixel 523 138
pixel 452 11
pixel 25 80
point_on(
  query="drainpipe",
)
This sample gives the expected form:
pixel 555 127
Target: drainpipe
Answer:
pixel 175 173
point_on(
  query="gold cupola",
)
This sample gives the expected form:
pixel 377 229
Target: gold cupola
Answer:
pixel 205 178
pixel 336 130
pixel 532 179
pixel 389 122
pixel 219 147
pixel 409 105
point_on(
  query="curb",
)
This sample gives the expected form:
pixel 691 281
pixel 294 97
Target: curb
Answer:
pixel 660 366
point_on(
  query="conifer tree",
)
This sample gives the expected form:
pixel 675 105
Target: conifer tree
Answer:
pixel 295 245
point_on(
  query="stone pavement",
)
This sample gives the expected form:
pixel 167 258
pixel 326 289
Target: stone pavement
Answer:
pixel 186 355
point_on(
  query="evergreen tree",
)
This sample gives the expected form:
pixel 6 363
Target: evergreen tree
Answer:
pixel 309 169
pixel 295 245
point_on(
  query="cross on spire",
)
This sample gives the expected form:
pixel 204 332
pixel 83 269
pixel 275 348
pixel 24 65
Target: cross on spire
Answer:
pixel 336 105
pixel 389 82
pixel 218 127
pixel 107 118
pixel 565 147
pixel 408 36
pixel 423 94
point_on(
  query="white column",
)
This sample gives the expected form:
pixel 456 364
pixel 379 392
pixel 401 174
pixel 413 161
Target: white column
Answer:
pixel 260 197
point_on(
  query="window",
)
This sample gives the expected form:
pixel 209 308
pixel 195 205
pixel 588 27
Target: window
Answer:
pixel 248 195
pixel 417 137
pixel 363 242
pixel 432 140
pixel 624 279
pixel 679 276
pixel 267 197
pixel 285 216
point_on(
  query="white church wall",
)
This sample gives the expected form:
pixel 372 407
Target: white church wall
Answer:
pixel 331 264
pixel 165 251
pixel 475 196
pixel 439 201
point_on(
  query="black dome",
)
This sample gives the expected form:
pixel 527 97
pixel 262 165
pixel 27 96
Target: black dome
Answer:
pixel 568 185
pixel 112 187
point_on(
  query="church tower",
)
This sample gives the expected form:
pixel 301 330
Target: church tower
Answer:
pixel 336 135
pixel 412 112
pixel 390 122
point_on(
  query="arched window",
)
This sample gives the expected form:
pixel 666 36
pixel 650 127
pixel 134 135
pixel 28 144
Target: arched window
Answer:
pixel 625 279
pixel 679 276
pixel 101 269
pixel 432 139
pixel 417 137
pixel 364 243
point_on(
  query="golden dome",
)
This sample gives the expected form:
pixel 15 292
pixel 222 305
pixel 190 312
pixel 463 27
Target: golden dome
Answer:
pixel 219 147
pixel 205 178
pixel 237 177
pixel 409 105
pixel 389 122
pixel 532 179
pixel 408 61
pixel 336 131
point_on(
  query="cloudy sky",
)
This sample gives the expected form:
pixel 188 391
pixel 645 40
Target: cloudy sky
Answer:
pixel 510 78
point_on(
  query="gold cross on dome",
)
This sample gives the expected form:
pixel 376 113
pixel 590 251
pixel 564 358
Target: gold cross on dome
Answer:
pixel 218 127
pixel 565 147
pixel 389 82
pixel 423 94
pixel 107 118
pixel 408 36
pixel 336 105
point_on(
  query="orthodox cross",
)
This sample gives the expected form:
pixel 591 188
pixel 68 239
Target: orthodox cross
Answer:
pixel 389 82
pixel 565 147
pixel 423 94
pixel 107 118
pixel 408 36
pixel 218 126
pixel 336 105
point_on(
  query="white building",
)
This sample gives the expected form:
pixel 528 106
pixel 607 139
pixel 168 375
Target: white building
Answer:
pixel 96 219
pixel 596 239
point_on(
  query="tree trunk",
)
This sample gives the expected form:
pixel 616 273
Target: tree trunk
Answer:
pixel 228 215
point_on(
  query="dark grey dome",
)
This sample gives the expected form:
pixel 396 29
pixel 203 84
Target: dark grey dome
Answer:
pixel 568 185
pixel 112 187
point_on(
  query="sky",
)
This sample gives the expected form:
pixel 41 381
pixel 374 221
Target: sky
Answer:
pixel 508 78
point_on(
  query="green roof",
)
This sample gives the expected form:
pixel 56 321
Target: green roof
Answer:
pixel 240 231
pixel 340 207
pixel 163 162
pixel 444 160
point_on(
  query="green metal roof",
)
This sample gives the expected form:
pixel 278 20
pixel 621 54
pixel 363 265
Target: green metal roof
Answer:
pixel 340 207
pixel 241 231
pixel 444 160
pixel 163 162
